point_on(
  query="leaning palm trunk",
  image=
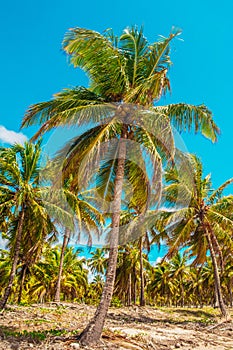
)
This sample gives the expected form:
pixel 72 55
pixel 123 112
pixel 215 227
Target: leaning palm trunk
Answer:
pixel 58 285
pixel 142 294
pixel 216 277
pixel 92 333
pixel 14 262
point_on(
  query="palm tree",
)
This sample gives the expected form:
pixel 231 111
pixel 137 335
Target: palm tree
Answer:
pixel 98 261
pixel 21 203
pixel 65 241
pixel 179 270
pixel 44 275
pixel 161 287
pixel 127 75
pixel 131 265
pixel 90 221
pixel 204 224
pixel 5 267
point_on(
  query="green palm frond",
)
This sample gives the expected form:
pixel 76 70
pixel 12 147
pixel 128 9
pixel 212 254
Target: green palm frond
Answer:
pixel 179 182
pixel 199 189
pixel 180 235
pixel 76 106
pixel 219 218
pixel 150 82
pixel 139 189
pixel 134 45
pixel 216 195
pixel 181 215
pixel 95 54
pixel 186 117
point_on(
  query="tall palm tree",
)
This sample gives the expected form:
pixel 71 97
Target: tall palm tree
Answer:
pixel 97 262
pixel 21 202
pixel 127 75
pixel 202 225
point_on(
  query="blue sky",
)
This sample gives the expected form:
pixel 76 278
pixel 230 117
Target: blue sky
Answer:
pixel 33 66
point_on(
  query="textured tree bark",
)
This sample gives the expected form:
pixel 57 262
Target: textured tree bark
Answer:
pixel 14 262
pixel 216 277
pixel 23 275
pixel 92 333
pixel 58 285
pixel 142 292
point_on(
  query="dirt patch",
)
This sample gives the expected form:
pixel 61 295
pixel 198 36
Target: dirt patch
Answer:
pixel 55 326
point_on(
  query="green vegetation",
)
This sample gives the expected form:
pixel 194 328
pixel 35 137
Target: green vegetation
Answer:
pixel 113 177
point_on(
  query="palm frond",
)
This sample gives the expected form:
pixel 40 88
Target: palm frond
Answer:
pixel 96 55
pixel 186 117
pixel 76 106
pixel 134 45
pixel 218 192
pixel 222 220
pixel 151 80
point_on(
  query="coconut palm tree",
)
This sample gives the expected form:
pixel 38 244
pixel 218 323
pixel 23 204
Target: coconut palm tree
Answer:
pixel 89 220
pixel 128 283
pixel 29 218
pixel 179 271
pixel 44 275
pixel 204 224
pixel 127 75
pixel 5 267
pixel 97 262
pixel 161 287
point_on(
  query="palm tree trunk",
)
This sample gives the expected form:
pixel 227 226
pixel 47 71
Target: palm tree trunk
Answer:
pixel 216 276
pixel 182 292
pixel 23 275
pixel 230 291
pixel 142 292
pixel 92 333
pixel 14 262
pixel 58 285
pixel 134 286
pixel 215 303
pixel 130 290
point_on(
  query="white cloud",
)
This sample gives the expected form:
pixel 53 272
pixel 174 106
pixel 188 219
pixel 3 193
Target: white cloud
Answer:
pixel 11 137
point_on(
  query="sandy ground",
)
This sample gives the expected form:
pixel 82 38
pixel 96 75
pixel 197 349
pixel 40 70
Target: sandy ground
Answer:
pixel 53 327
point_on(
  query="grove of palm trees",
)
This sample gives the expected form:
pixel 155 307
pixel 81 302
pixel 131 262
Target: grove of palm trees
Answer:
pixel 122 179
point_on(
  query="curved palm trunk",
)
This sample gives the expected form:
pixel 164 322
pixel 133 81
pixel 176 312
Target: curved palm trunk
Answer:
pixel 58 285
pixel 14 262
pixel 142 292
pixel 92 333
pixel 216 277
